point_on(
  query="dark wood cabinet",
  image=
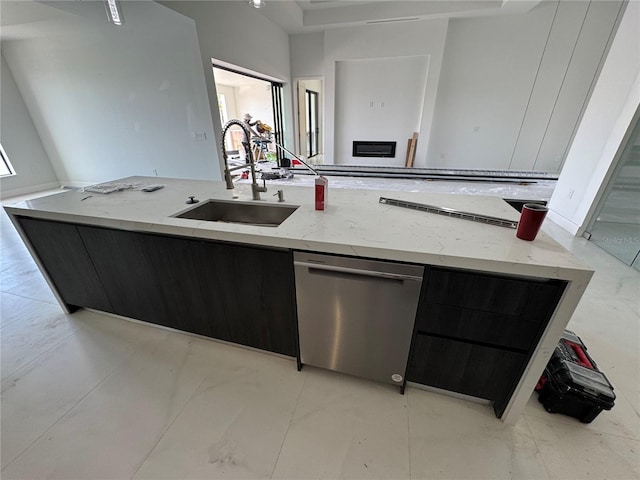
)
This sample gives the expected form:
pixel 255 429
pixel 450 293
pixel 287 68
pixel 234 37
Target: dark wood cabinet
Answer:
pixel 231 292
pixel 463 367
pixel 241 294
pixel 475 331
pixel 67 263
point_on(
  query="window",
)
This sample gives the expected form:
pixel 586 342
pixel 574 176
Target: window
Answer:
pixel 5 166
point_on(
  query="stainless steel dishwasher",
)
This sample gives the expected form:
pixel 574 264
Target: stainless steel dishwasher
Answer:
pixel 356 316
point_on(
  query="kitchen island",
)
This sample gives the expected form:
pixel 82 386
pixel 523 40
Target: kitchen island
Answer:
pixel 126 253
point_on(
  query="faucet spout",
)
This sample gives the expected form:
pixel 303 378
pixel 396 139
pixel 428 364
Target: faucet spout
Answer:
pixel 255 188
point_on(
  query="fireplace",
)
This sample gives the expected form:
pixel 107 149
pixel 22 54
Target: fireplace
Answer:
pixel 374 149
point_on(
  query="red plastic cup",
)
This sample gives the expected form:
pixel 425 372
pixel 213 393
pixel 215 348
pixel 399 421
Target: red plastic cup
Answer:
pixel 531 220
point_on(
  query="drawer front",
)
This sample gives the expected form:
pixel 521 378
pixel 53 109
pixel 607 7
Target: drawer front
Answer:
pixel 478 291
pixel 475 370
pixel 484 308
pixel 495 329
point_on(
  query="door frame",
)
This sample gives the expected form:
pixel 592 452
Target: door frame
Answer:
pixel 300 114
pixel 311 99
pixel 277 100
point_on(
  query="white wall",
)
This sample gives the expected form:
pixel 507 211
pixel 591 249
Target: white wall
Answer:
pixel 378 100
pixel 231 32
pixel 307 54
pixel 510 88
pixel 255 100
pixel 21 143
pixel 614 101
pixel 513 87
pixel 383 41
pixel 115 101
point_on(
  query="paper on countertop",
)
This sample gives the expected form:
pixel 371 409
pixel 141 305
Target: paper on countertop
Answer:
pixel 111 187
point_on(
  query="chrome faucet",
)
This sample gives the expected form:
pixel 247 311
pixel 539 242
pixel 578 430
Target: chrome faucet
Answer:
pixel 255 188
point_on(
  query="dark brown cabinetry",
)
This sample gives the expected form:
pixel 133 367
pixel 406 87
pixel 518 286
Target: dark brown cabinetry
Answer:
pixel 231 292
pixel 464 367
pixel 62 253
pixel 476 331
pixel 226 291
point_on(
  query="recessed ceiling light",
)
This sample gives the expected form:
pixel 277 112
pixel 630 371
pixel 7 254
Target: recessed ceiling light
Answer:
pixel 257 3
pixel 114 12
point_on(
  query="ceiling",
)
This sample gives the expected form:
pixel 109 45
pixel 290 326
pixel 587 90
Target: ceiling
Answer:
pixel 301 16
pixel 293 16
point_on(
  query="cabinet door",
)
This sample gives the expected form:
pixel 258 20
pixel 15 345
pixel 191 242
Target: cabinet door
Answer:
pixel 475 370
pixel 253 291
pixel 239 294
pixel 64 257
pixel 134 283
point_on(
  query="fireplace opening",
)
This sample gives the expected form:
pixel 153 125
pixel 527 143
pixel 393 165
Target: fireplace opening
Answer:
pixel 374 149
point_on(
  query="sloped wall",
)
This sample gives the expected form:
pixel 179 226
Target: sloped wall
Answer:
pixel 21 143
pixel 111 101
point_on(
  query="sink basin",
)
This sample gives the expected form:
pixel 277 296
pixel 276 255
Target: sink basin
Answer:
pixel 266 215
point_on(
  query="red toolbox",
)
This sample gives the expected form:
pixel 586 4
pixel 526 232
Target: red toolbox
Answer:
pixel 572 384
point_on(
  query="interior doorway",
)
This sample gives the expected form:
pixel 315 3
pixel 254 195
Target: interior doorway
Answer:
pixel 310 119
pixel 240 94
pixel 313 126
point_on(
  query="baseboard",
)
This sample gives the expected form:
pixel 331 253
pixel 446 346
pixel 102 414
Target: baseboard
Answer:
pixel 4 194
pixel 564 223
pixel 70 184
pixel 449 393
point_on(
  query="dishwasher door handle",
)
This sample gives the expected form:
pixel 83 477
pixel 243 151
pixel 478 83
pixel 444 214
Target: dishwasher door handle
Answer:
pixel 358 271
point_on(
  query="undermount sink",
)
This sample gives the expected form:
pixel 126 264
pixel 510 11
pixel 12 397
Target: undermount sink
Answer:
pixel 266 215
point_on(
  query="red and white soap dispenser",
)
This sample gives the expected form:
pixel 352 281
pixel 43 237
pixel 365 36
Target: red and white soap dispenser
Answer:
pixel 322 189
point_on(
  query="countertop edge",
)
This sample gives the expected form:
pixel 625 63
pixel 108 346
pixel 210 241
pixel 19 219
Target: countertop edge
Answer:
pixel 578 274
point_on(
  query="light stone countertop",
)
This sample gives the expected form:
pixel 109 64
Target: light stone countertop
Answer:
pixel 354 223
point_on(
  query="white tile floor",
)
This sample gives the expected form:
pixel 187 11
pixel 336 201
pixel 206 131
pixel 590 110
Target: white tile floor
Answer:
pixel 93 396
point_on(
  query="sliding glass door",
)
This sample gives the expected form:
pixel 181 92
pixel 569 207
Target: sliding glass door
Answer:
pixel 616 225
pixel 278 123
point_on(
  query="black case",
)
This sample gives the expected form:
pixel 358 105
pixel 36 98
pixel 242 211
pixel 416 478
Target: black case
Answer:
pixel 572 389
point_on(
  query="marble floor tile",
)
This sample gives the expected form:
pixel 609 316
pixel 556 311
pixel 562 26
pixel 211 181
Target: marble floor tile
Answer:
pixel 579 453
pixel 111 431
pixel 345 427
pixel 458 439
pixel 15 270
pixel 234 425
pixel 38 395
pixel 39 327
pixel 15 307
pixel 14 252
pixel 34 287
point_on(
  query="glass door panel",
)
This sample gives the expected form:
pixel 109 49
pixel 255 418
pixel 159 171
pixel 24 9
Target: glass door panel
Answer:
pixel 616 225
